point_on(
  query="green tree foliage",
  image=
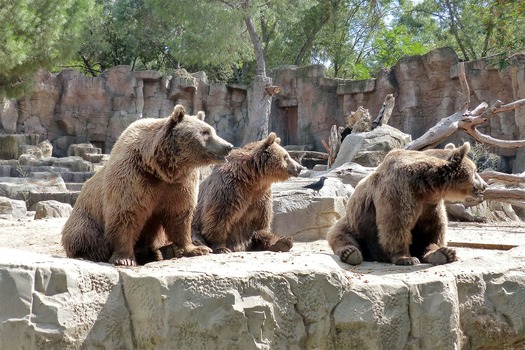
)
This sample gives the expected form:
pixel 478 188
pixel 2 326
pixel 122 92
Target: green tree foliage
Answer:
pixel 474 28
pixel 124 32
pixel 213 33
pixel 362 37
pixel 36 34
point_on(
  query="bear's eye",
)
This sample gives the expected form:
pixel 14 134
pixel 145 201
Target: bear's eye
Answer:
pixel 206 133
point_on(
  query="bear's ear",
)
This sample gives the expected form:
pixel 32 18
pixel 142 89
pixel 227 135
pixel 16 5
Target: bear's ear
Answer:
pixel 178 113
pixel 450 146
pixel 458 154
pixel 278 140
pixel 201 115
pixel 270 139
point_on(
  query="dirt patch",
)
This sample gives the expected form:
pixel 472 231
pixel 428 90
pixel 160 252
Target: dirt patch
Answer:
pixel 43 236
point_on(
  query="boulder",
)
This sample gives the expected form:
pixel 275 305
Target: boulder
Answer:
pixel 12 209
pixel 43 150
pixel 21 187
pixel 304 214
pixel 369 148
pixel 11 144
pixel 52 209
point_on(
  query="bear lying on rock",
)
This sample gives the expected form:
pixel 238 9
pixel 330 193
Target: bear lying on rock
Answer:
pixel 146 193
pixel 234 211
pixel 397 213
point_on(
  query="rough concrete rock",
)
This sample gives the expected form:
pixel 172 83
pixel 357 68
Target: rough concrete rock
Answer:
pixel 305 214
pixel 12 209
pixel 303 299
pixel 52 209
pixel 14 187
pixel 369 148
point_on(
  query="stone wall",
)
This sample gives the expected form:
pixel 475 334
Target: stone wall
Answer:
pixel 262 300
pixel 69 107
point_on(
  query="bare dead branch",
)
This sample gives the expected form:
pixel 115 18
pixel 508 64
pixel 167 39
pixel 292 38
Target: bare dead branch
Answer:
pixel 504 194
pixel 486 139
pixel 509 106
pixel 495 176
pixel 308 154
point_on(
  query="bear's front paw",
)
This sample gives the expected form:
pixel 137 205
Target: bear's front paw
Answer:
pixel 196 250
pixel 122 261
pixel 284 244
pixel 222 250
pixel 406 261
pixel 441 256
pixel 351 255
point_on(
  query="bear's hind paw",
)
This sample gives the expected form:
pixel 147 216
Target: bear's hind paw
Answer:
pixel 222 250
pixel 196 250
pixel 441 256
pixel 284 244
pixel 406 261
pixel 351 255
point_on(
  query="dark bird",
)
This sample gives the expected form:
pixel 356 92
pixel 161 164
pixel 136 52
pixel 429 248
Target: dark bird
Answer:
pixel 316 186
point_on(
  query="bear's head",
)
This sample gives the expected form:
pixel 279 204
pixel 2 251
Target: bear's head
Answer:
pixel 190 141
pixel 264 160
pixel 465 181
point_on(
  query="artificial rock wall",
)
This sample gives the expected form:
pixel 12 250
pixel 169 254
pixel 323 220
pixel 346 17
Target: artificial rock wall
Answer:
pixel 69 107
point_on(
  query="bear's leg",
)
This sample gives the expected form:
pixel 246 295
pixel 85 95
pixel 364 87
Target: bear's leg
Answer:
pixel 178 230
pixel 83 238
pixel 394 230
pixel 123 229
pixel 344 244
pixel 266 240
pixel 153 244
pixel 428 241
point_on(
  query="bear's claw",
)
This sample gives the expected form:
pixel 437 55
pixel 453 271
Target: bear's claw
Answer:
pixel 122 261
pixel 351 255
pixel 222 250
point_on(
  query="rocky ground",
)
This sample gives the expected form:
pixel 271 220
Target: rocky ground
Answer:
pixel 43 236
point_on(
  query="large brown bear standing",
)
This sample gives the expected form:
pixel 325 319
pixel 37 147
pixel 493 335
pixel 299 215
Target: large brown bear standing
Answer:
pixel 234 211
pixel 397 213
pixel 146 191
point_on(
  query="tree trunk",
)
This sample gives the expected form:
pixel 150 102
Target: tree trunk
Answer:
pixel 259 101
pixel 259 105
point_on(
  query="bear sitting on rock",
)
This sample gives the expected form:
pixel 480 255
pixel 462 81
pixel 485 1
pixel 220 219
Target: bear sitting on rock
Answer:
pixel 234 211
pixel 397 213
pixel 146 193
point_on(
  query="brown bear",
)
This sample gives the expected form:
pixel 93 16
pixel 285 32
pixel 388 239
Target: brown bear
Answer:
pixel 234 211
pixel 147 191
pixel 397 213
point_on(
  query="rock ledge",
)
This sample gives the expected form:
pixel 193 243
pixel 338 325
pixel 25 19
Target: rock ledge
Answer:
pixel 304 299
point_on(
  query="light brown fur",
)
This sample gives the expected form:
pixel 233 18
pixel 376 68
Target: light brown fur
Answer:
pixel 397 213
pixel 145 195
pixel 234 211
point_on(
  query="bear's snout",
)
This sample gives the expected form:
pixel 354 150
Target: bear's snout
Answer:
pixel 220 148
pixel 479 187
pixel 294 168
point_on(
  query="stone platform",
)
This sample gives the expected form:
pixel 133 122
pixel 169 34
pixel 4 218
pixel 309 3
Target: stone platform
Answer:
pixel 304 299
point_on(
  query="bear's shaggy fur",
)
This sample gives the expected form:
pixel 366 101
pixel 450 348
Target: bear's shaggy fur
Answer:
pixel 397 213
pixel 234 211
pixel 146 193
